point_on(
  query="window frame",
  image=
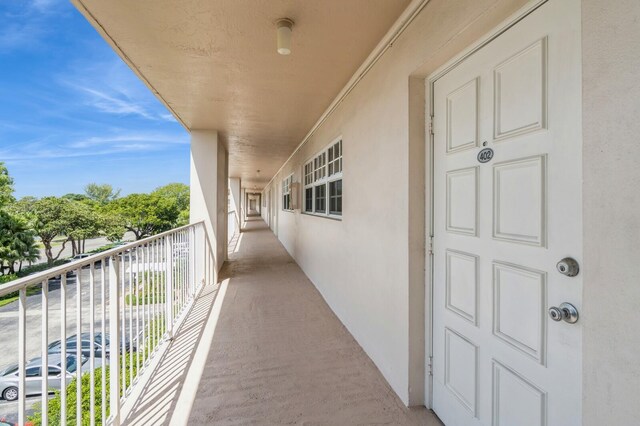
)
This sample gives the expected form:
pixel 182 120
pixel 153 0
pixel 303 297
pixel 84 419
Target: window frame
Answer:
pixel 286 191
pixel 315 173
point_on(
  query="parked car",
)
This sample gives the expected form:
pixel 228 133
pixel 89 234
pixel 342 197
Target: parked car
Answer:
pixel 72 345
pixel 33 376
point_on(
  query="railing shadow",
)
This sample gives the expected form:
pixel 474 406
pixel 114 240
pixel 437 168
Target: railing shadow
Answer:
pixel 157 399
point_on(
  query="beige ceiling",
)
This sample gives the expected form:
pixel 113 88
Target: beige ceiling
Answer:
pixel 214 64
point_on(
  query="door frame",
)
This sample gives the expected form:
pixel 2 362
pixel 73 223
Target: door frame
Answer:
pixel 430 81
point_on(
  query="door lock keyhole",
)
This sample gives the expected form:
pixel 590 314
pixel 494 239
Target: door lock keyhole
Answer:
pixel 565 312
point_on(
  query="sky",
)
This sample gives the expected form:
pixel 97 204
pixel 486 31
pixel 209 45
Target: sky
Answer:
pixel 73 113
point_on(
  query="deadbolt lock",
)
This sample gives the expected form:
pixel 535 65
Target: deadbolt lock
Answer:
pixel 568 266
pixel 565 312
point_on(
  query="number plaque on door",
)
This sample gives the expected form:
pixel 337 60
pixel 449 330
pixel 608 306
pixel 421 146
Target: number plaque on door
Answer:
pixel 485 155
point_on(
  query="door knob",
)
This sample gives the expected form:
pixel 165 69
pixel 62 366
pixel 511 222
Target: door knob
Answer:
pixel 568 266
pixel 565 312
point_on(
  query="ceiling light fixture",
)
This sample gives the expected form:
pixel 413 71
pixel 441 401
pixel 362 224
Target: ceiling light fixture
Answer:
pixel 284 26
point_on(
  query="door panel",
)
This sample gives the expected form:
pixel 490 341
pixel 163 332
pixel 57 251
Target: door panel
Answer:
pixel 501 226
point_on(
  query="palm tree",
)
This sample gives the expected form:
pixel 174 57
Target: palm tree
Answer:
pixel 17 243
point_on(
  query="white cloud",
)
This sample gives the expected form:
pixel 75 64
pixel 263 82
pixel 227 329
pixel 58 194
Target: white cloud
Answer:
pixel 129 139
pixel 112 104
pixel 25 26
pixel 44 5
pixel 91 146
pixel 110 87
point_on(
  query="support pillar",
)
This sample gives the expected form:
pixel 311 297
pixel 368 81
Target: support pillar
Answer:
pixel 209 174
pixel 236 201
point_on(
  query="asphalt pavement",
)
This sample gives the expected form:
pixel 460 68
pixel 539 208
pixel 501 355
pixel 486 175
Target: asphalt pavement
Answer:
pixel 34 324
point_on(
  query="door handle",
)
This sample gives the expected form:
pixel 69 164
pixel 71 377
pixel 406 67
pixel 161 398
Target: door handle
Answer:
pixel 565 312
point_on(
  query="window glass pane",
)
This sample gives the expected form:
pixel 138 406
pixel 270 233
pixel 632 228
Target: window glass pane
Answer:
pixel 308 199
pixel 33 372
pixel 320 198
pixel 335 197
pixel 11 370
pixel 53 371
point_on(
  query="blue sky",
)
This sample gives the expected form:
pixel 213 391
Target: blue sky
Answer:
pixel 72 113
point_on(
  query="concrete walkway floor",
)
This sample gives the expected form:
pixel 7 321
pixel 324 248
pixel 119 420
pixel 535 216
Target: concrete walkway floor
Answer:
pixel 268 350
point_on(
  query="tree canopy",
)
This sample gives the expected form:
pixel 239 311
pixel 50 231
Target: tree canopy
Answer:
pixel 6 186
pixel 180 193
pixel 17 242
pixel 145 214
pixel 17 239
pixel 74 218
pixel 101 193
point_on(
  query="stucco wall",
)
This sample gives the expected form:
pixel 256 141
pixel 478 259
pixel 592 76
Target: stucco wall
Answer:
pixel 368 266
pixel 611 125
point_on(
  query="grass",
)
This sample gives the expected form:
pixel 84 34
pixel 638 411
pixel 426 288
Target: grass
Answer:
pixel 129 364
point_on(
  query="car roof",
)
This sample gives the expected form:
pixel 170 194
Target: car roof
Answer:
pixel 54 359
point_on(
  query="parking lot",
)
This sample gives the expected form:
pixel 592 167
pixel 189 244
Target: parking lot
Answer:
pixel 9 325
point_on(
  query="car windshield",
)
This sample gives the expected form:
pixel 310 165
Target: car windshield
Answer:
pixel 10 370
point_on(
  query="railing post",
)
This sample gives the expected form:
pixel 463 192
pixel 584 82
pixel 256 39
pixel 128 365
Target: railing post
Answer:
pixel 169 286
pixel 192 262
pixel 44 405
pixel 22 354
pixel 114 353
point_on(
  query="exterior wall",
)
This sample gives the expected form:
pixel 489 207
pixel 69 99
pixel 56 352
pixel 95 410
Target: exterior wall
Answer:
pixel 208 188
pixel 369 266
pixel 611 107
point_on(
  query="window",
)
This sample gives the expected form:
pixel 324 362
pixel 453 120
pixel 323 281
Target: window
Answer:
pixel 286 193
pixel 54 371
pixel 335 197
pixel 10 370
pixel 32 372
pixel 323 182
pixel 321 198
pixel 308 200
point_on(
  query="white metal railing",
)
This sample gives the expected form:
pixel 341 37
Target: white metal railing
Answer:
pixel 128 301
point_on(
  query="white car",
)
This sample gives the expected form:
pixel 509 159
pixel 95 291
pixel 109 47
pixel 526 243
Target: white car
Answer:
pixel 9 383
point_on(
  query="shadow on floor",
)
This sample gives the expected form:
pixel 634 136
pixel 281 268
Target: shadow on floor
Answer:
pixel 271 351
pixel 158 398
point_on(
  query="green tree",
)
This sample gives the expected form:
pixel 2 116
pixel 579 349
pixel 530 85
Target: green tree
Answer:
pixel 101 193
pixel 83 222
pixel 145 214
pixel 76 197
pixel 17 240
pixel 180 193
pixel 17 243
pixel 6 186
pixel 49 218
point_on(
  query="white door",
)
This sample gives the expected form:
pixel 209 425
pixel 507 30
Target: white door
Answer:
pixel 501 226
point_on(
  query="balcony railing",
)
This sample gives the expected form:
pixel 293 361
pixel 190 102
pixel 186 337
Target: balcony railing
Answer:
pixel 102 322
